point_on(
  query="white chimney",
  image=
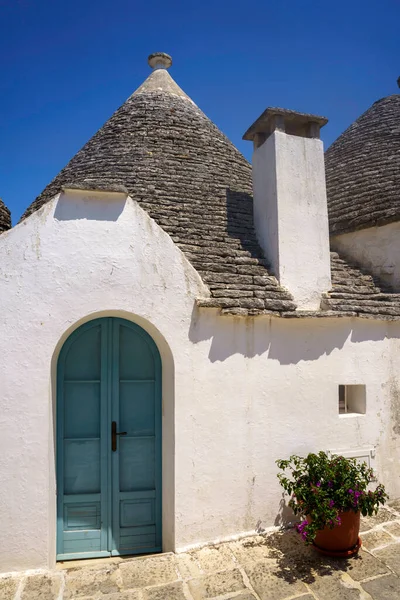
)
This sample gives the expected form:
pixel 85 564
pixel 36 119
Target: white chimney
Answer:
pixel 290 207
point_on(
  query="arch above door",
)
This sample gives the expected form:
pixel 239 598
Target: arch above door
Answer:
pixel 108 441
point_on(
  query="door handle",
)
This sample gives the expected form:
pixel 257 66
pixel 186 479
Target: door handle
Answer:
pixel 114 434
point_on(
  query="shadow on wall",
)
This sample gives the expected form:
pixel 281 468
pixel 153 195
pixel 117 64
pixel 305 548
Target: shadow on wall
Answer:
pixel 72 207
pixel 285 517
pixel 288 341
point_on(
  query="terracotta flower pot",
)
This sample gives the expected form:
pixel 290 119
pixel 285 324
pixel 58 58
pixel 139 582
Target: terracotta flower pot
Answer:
pixel 343 539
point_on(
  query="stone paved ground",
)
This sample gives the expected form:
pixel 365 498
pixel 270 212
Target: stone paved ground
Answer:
pixel 265 567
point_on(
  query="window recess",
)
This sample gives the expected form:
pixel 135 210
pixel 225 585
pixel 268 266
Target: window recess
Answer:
pixel 352 399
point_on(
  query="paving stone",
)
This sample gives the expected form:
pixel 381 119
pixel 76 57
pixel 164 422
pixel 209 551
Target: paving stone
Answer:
pixel 129 595
pixel 214 558
pixel 395 504
pixel 294 558
pixel 244 596
pixel 251 549
pixel 209 586
pixel 359 567
pixel 8 587
pixel 187 566
pixel 383 516
pixel 393 528
pixel 143 572
pixel 384 588
pixel 391 557
pixel 42 587
pixel 376 538
pixel 270 583
pixel 87 581
pixel 171 591
pixel 333 587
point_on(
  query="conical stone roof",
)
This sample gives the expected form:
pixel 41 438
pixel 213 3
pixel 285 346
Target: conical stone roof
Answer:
pixel 5 217
pixel 363 170
pixel 162 149
pixel 192 180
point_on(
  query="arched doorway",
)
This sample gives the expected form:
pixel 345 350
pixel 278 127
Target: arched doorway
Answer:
pixel 108 441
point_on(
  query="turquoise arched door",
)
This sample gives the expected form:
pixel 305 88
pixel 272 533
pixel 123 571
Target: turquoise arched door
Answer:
pixel 108 441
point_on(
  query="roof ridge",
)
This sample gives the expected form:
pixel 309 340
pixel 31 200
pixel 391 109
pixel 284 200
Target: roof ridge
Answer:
pixel 160 81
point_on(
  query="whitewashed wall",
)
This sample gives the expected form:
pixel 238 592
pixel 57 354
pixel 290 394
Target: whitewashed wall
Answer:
pixel 238 393
pixel 79 257
pixel 270 389
pixel 377 248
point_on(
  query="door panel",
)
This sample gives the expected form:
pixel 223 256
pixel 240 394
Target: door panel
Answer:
pixel 82 399
pixel 109 502
pixel 82 466
pixel 136 387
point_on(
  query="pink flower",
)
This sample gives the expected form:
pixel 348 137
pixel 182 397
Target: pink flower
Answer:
pixel 300 526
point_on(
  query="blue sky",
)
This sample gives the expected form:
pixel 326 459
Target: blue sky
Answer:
pixel 66 66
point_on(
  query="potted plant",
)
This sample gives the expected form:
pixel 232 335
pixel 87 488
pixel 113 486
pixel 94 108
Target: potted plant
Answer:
pixel 329 492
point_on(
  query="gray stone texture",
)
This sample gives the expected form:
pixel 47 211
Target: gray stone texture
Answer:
pixel 334 588
pixel 277 566
pixel 272 583
pixel 42 587
pixel 148 571
pixel 391 557
pixel 393 528
pixel 210 586
pixel 87 581
pixel 383 516
pixel 354 291
pixel 129 595
pixel 172 591
pixel 395 505
pixel 5 217
pixel 187 566
pixel 214 558
pixel 361 566
pixel 383 588
pixel 377 538
pixel 244 596
pixel 363 170
pixel 8 587
pixel 252 549
pixel 196 185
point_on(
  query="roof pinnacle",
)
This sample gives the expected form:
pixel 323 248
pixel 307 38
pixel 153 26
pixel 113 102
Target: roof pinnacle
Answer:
pixel 159 60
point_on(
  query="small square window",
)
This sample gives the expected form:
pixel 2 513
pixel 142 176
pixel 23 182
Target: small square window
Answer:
pixel 352 399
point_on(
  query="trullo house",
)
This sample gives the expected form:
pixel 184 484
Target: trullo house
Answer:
pixel 174 320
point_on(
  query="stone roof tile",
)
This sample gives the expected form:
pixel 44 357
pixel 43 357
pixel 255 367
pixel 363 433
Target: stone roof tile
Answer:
pixel 363 170
pixel 5 217
pixel 354 290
